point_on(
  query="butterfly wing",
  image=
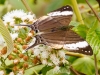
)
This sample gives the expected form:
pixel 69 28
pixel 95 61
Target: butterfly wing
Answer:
pixel 75 43
pixel 51 23
pixel 51 27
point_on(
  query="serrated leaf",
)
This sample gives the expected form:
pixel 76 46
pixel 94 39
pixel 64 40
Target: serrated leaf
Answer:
pixel 81 30
pixel 84 65
pixel 93 38
pixel 6 35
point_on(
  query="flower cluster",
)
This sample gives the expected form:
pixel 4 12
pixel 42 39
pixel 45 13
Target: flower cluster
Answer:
pixel 24 37
pixel 49 56
pixel 18 16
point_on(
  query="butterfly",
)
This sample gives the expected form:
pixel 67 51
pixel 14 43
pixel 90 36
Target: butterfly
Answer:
pixel 54 30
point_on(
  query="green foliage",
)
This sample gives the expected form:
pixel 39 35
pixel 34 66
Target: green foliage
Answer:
pixel 45 69
pixel 81 30
pixel 2 1
pixel 33 70
pixel 92 37
pixel 84 65
pixel 62 71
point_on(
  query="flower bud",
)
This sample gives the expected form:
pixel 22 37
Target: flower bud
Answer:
pixel 24 46
pixel 25 58
pixel 4 51
pixel 21 55
pixel 25 65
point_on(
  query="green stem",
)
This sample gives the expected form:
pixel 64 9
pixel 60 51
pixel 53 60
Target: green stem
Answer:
pixel 74 71
pixel 3 62
pixel 95 61
pixel 27 6
pixel 77 12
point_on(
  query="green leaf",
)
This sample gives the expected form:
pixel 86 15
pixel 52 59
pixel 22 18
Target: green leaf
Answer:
pixel 63 71
pixel 6 35
pixel 84 65
pixel 81 30
pixel 93 38
pixel 45 69
pixel 2 1
pixel 33 70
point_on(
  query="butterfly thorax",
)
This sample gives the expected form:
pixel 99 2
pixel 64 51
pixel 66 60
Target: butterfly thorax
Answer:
pixel 65 28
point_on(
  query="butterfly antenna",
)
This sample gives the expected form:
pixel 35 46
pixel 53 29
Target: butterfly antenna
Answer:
pixel 28 25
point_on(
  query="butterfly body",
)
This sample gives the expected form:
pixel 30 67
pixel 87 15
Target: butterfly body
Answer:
pixel 54 30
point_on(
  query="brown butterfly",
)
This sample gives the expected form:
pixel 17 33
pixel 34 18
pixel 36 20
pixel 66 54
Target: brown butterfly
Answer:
pixel 54 30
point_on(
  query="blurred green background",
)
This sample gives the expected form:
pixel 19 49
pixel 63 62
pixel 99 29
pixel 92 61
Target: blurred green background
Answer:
pixel 39 7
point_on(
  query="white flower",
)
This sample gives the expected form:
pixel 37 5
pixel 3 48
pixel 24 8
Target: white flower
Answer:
pixel 64 61
pixel 42 47
pixel 50 64
pixel 52 56
pixel 1 72
pixel 36 51
pixel 56 69
pixel 14 35
pixel 29 16
pixel 44 54
pixel 54 59
pixel 61 53
pixel 44 61
pixel 16 28
pixel 11 17
pixel 11 73
pixel 20 72
pixel 49 48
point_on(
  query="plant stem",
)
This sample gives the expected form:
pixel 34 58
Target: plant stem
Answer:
pixel 27 6
pixel 95 61
pixel 77 12
pixel 93 10
pixel 74 71
pixel 3 62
